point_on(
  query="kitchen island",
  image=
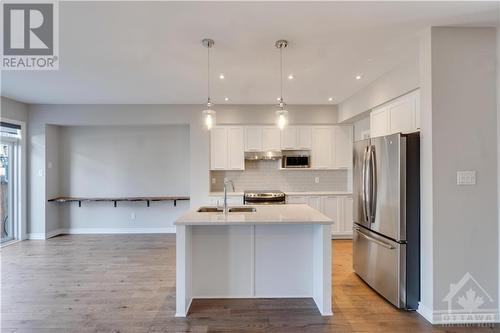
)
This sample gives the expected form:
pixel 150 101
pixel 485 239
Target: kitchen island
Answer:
pixel 274 251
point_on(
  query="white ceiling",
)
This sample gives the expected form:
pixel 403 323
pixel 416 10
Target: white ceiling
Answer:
pixel 136 52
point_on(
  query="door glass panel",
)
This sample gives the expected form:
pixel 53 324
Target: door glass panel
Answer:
pixel 6 189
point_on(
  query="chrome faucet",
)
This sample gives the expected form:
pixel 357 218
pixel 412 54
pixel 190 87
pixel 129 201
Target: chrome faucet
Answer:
pixel 226 182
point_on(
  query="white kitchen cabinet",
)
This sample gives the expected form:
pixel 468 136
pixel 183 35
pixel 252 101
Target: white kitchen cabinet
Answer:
pixel 304 138
pixel 218 148
pixel 289 138
pixel 227 148
pixel 337 207
pixel 348 216
pixel 294 199
pixel 342 147
pixel 379 122
pixel 271 138
pixel 330 209
pixel 253 138
pixel 315 202
pixel 322 147
pixel 401 115
pixel 296 138
pixel 236 147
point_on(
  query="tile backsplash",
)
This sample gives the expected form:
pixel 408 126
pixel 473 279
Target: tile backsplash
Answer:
pixel 265 175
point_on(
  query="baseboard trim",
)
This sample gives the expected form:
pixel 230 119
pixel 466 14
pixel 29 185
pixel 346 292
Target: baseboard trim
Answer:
pixel 36 236
pixel 97 231
pixel 436 317
pixel 83 231
pixel 425 312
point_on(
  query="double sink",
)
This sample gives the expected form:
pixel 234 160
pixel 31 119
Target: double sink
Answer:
pixel 230 210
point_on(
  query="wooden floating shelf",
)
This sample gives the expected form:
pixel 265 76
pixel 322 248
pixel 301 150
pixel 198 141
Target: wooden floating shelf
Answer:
pixel 148 200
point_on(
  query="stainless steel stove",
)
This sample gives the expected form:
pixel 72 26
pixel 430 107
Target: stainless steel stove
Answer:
pixel 264 197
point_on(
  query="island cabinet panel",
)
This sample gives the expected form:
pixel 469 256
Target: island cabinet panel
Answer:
pixel 226 249
pixel 283 263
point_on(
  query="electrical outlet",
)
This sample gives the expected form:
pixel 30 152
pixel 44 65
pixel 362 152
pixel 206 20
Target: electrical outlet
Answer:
pixel 132 216
pixel 466 177
pixel 214 180
pixel 316 180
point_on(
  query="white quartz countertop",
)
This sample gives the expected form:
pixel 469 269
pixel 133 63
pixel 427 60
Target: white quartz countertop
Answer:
pixel 236 194
pixel 264 214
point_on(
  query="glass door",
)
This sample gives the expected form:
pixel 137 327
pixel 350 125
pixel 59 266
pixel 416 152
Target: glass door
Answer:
pixel 6 191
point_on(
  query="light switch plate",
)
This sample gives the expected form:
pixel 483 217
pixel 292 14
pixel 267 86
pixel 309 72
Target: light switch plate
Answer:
pixel 466 177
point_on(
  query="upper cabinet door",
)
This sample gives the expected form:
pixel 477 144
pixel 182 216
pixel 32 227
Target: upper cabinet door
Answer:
pixel 289 138
pixel 403 114
pixel 271 138
pixel 342 143
pixel 321 153
pixel 218 148
pixel 304 138
pixel 379 122
pixel 253 139
pixel 236 148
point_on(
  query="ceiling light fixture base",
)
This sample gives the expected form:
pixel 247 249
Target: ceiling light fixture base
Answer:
pixel 207 42
pixel 281 44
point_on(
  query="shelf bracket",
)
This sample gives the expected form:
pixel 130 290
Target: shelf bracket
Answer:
pixel 79 203
pixel 114 203
pixel 175 203
pixel 147 202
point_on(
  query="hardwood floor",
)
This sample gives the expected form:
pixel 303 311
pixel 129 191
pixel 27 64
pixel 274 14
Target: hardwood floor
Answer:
pixel 126 283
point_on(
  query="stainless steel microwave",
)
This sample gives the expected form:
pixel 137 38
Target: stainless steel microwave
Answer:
pixel 296 159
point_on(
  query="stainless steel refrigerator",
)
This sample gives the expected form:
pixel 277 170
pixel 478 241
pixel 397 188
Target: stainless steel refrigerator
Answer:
pixel 386 235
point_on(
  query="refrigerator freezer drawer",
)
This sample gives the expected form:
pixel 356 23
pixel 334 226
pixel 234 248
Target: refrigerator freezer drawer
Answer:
pixel 380 262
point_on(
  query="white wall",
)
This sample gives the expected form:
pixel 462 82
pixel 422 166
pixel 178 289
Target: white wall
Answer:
pixel 114 161
pixel 459 132
pixel 395 83
pixel 52 180
pixel 11 109
pixel 142 115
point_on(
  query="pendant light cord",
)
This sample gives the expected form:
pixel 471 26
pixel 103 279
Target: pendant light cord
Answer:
pixel 281 73
pixel 208 74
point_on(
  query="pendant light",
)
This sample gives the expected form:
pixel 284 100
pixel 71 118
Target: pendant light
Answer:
pixel 282 113
pixel 208 113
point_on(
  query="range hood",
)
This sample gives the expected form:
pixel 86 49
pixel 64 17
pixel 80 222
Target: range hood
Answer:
pixel 270 155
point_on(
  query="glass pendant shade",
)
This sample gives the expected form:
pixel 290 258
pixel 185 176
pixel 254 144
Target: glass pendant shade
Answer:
pixel 281 118
pixel 209 118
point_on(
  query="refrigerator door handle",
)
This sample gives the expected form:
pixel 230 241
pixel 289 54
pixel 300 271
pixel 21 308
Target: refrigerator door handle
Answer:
pixel 374 240
pixel 373 187
pixel 364 185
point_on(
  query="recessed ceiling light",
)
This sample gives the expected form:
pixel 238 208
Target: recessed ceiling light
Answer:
pixel 221 76
pixel 291 77
pixel 358 77
pixel 226 99
pixel 278 98
pixel 330 99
